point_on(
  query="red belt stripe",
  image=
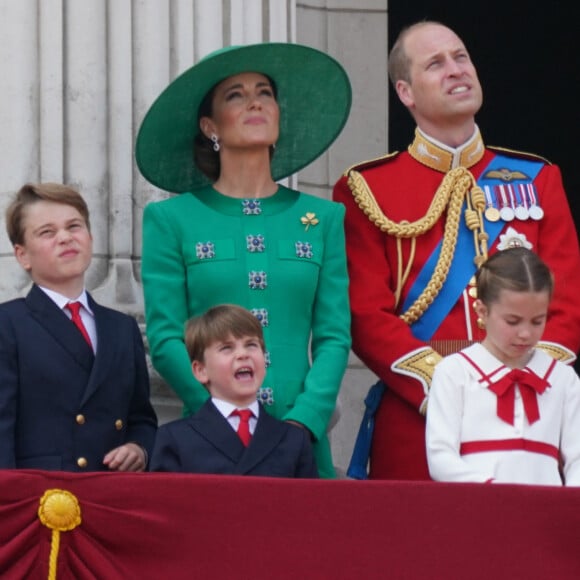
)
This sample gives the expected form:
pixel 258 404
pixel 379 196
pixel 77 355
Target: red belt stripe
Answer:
pixel 509 445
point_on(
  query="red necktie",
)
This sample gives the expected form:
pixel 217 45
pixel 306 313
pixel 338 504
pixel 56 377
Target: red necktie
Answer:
pixel 244 425
pixel 74 308
pixel 530 384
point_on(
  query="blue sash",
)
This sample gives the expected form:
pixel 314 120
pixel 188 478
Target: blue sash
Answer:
pixel 462 266
pixel 357 468
pixel 461 270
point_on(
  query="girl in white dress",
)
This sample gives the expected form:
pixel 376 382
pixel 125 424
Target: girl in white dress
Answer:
pixel 504 411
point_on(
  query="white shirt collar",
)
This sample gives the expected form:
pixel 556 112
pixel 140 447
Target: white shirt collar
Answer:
pixel 226 408
pixel 61 301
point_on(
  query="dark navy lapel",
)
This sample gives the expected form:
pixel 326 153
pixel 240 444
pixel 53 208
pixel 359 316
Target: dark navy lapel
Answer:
pixel 214 427
pixel 108 348
pixel 268 434
pixel 59 326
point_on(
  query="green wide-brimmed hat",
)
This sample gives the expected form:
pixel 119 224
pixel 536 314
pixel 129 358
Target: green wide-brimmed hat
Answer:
pixel 313 93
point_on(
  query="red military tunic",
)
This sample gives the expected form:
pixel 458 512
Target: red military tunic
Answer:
pixel 404 185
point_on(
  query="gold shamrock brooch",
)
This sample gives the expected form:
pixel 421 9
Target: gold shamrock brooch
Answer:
pixel 309 219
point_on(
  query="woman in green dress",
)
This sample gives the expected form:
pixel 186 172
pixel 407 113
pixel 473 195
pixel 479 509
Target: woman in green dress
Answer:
pixel 221 135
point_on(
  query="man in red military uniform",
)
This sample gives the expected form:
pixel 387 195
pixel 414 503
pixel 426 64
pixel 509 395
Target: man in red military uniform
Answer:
pixel 418 223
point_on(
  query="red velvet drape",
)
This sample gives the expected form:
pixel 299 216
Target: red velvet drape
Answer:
pixel 157 526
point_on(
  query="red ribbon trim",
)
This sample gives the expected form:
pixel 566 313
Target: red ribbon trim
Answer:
pixel 468 447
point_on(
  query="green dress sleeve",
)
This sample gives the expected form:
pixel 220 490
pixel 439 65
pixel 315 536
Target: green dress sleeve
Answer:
pixel 166 308
pixel 330 339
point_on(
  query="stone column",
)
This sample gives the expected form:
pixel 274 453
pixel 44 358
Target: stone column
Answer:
pixel 19 121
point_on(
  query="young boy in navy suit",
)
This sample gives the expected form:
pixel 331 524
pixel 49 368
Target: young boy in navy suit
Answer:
pixel 226 349
pixel 74 385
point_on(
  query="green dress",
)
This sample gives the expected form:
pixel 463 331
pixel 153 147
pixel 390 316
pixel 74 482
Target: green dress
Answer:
pixel 282 257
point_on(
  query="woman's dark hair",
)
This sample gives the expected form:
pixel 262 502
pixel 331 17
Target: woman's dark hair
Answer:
pixel 517 269
pixel 205 158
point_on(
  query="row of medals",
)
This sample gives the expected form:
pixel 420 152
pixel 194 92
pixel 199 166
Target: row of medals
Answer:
pixel 524 211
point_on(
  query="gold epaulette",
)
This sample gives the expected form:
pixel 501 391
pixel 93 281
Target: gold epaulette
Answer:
pixel 557 351
pixel 520 154
pixel 371 162
pixel 418 364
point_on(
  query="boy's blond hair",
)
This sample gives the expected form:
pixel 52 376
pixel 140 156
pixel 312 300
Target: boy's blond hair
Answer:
pixel 218 324
pixel 33 193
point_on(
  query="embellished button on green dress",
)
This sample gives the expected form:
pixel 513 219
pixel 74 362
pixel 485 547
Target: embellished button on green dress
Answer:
pixel 283 258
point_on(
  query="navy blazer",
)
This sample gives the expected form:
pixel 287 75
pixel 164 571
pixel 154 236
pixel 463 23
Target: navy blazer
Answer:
pixel 61 406
pixel 206 443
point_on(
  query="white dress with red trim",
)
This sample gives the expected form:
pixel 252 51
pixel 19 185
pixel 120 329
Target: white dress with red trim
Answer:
pixel 481 428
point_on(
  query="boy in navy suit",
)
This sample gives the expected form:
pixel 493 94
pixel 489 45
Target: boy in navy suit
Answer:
pixel 226 348
pixel 74 385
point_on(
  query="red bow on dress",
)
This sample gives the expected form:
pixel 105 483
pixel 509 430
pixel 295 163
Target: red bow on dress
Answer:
pixel 505 389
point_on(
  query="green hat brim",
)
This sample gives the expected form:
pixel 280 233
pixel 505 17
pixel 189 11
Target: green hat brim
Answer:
pixel 314 96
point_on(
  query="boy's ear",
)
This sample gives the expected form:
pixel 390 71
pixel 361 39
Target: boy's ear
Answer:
pixel 22 256
pixel 199 372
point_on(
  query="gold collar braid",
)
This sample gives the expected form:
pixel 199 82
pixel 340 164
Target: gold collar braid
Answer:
pixel 457 185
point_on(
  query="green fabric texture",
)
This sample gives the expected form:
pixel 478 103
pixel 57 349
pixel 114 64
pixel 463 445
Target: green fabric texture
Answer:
pixel 306 298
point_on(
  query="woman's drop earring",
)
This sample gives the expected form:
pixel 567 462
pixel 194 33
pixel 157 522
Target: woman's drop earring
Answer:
pixel 216 145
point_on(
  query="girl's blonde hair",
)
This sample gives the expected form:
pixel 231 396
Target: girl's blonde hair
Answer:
pixel 516 269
